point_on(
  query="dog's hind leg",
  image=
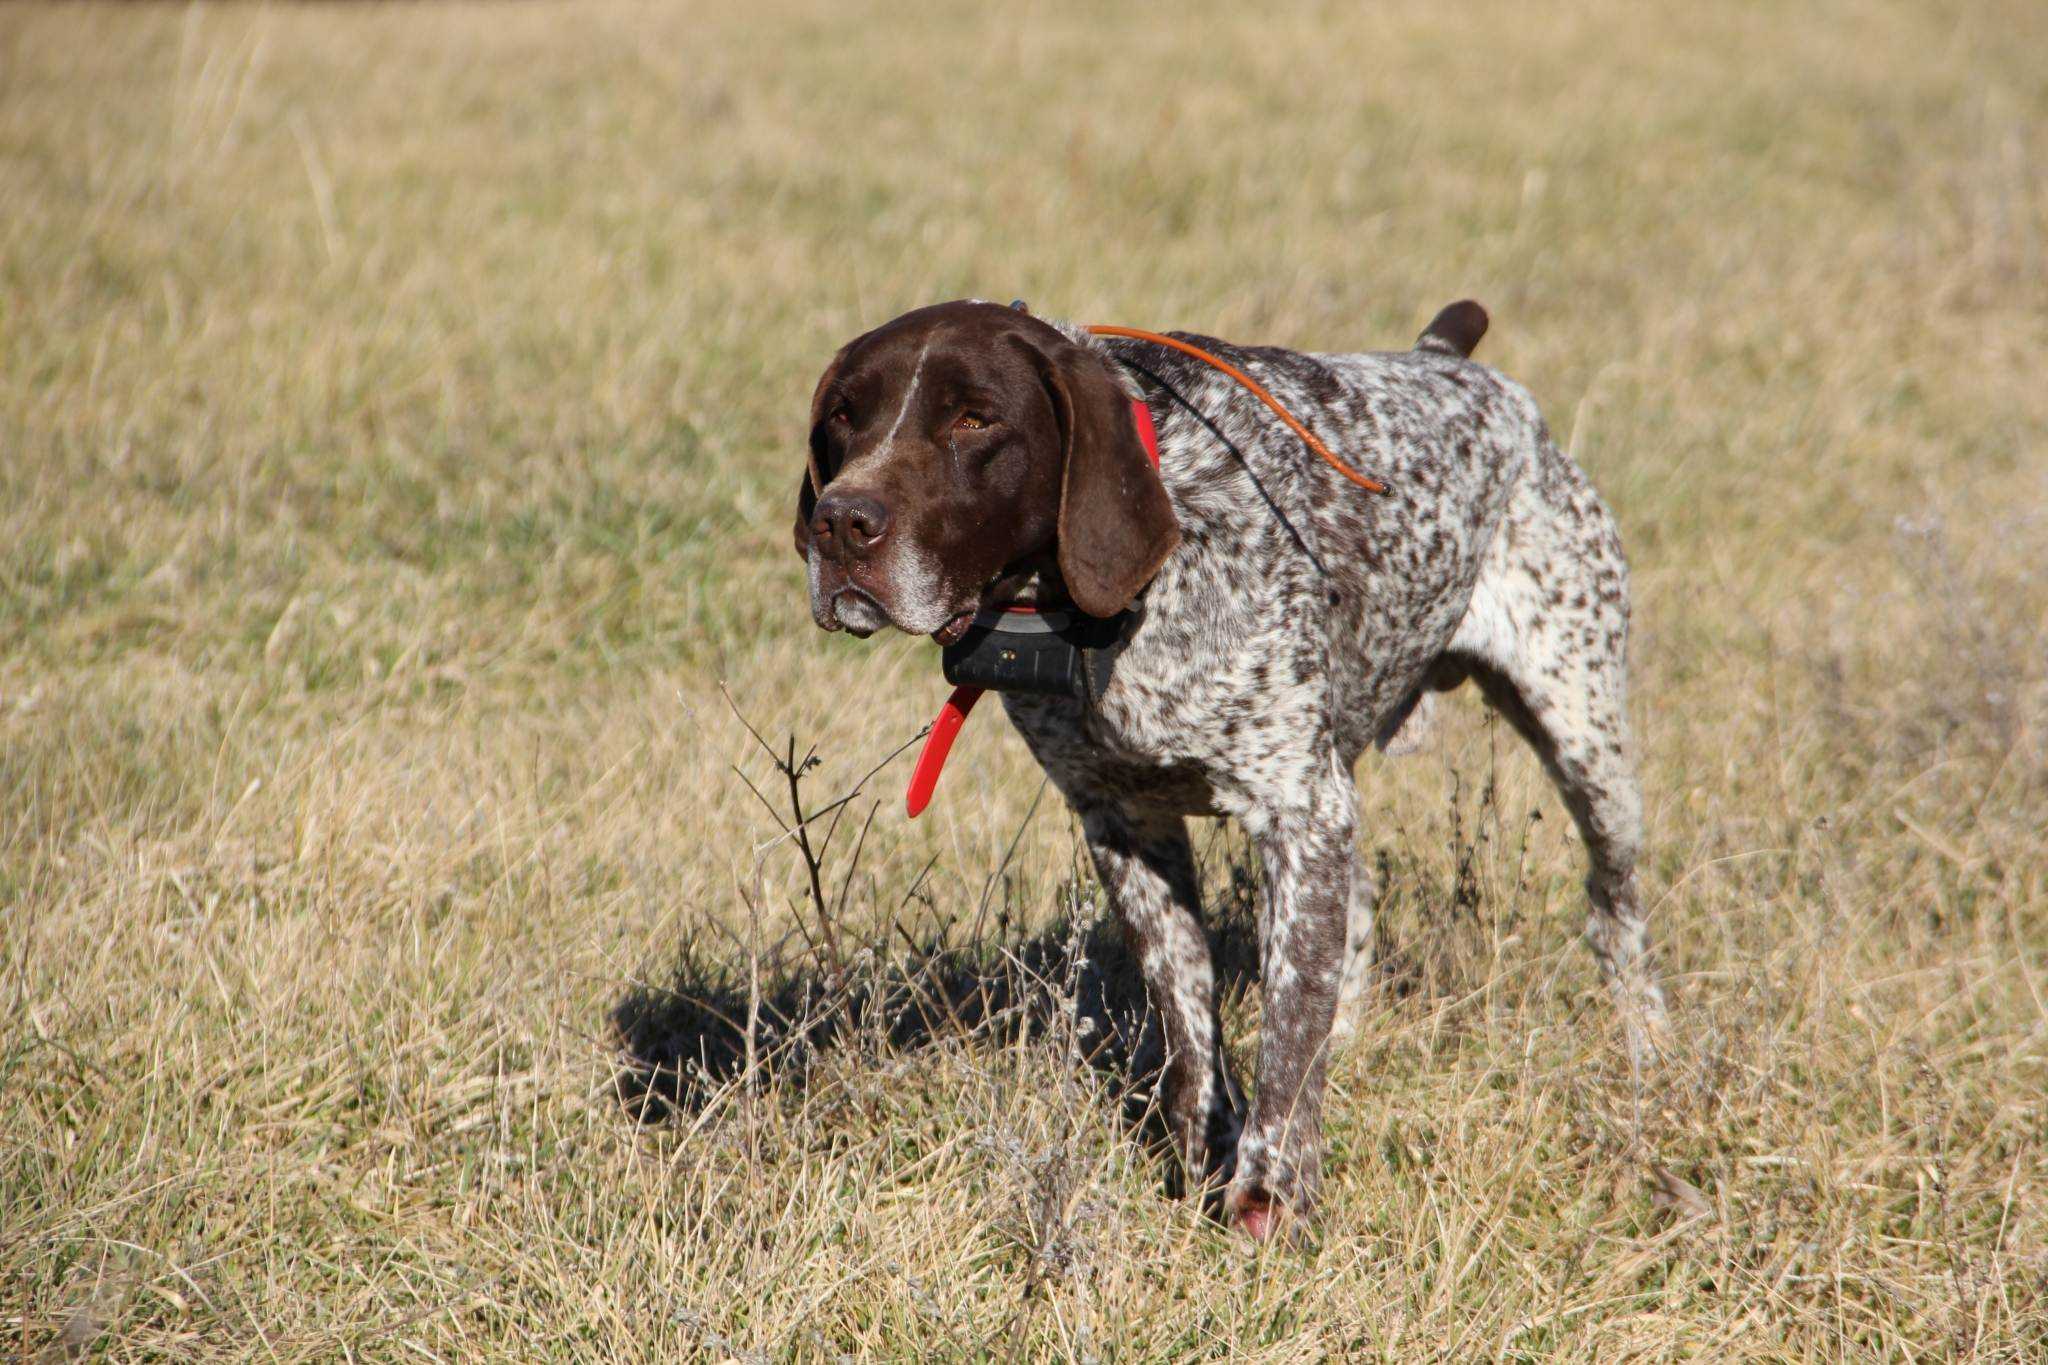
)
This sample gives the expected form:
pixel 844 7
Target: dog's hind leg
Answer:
pixel 1546 638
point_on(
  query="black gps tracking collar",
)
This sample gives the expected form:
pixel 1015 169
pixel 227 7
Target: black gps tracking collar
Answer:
pixel 1053 652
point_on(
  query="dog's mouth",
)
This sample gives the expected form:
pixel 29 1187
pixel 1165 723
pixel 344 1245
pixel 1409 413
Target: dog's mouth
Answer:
pixel 955 630
pixel 1013 587
pixel 860 613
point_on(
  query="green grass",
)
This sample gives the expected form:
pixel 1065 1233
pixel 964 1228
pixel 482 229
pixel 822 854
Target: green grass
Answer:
pixel 400 412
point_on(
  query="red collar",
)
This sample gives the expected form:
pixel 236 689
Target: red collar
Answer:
pixel 938 742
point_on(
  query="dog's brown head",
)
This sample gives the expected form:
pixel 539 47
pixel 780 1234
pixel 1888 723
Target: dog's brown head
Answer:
pixel 957 452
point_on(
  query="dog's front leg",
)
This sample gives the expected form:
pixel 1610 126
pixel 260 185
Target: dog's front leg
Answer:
pixel 1148 868
pixel 1305 842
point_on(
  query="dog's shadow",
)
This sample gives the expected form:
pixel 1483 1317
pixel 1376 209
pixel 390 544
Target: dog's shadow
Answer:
pixel 709 1027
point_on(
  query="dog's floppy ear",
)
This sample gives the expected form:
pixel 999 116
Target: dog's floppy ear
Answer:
pixel 813 481
pixel 1116 525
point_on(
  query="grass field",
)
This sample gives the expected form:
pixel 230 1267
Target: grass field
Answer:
pixel 400 413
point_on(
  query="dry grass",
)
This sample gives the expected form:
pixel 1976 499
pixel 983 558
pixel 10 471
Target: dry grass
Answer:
pixel 400 412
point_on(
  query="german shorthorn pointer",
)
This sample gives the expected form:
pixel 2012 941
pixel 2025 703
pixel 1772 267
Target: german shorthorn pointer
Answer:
pixel 1277 620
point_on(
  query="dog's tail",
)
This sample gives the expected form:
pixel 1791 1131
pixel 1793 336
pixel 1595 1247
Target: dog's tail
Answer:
pixel 1454 331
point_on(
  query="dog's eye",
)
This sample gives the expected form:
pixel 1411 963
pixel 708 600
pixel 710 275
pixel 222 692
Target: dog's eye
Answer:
pixel 842 415
pixel 968 421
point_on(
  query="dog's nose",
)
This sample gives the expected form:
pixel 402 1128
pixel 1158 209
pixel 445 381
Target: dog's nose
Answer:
pixel 849 523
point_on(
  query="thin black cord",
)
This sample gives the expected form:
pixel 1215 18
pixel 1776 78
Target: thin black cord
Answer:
pixel 1300 541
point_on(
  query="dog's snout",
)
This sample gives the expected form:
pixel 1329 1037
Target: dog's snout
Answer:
pixel 849 523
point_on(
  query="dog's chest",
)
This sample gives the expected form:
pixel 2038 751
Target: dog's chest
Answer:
pixel 1221 676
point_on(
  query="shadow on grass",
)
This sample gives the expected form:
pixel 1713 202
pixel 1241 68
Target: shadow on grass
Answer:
pixel 687 1040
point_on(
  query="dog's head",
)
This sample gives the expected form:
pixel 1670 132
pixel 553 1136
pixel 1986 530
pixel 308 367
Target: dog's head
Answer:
pixel 961 450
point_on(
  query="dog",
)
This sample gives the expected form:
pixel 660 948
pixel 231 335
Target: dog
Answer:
pixel 1279 619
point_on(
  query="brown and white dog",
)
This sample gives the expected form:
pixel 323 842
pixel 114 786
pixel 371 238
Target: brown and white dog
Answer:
pixel 968 455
